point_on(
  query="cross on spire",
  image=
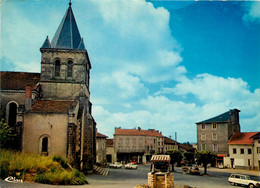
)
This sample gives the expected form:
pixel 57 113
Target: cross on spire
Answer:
pixel 70 3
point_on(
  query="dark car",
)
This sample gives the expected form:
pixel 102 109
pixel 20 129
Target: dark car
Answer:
pixel 194 170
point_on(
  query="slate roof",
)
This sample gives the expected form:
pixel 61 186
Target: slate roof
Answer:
pixel 46 43
pixel 242 138
pixel 220 118
pixel 169 141
pixel 67 36
pixel 137 132
pixel 99 135
pixel 18 80
pixel 110 142
pixel 51 106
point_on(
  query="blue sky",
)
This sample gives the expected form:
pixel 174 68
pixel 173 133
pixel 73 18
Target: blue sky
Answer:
pixel 160 64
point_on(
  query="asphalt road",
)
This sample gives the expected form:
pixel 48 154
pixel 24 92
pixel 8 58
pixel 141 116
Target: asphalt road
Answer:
pixel 129 178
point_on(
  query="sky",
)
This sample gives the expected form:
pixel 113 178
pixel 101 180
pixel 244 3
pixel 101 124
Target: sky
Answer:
pixel 161 65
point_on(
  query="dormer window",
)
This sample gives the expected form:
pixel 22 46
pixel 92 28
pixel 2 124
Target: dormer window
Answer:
pixel 57 67
pixel 69 68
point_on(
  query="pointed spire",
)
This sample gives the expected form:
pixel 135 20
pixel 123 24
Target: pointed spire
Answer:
pixel 67 36
pixel 81 45
pixel 46 43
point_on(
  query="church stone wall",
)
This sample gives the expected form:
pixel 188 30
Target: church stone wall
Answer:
pixel 65 91
pixel 52 125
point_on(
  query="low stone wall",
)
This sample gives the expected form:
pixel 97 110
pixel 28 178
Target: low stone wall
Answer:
pixel 160 179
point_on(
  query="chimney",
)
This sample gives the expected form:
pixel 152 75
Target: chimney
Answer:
pixel 139 129
pixel 28 97
pixel 170 137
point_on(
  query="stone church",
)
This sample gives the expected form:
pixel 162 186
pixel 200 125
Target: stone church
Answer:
pixel 51 111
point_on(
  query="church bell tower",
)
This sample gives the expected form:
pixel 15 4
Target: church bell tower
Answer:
pixel 65 64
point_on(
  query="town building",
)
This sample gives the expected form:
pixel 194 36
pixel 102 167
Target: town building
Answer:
pixel 170 144
pixel 110 152
pixel 256 151
pixel 243 152
pixel 101 145
pixel 137 144
pixel 213 134
pixel 51 110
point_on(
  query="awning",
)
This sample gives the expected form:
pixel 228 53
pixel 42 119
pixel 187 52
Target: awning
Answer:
pixel 161 158
pixel 221 155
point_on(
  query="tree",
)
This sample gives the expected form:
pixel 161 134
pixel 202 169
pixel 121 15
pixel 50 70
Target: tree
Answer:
pixel 6 134
pixel 189 157
pixel 205 158
pixel 175 155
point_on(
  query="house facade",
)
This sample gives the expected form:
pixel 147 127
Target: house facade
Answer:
pixel 110 152
pixel 243 151
pixel 256 151
pixel 137 144
pixel 170 144
pixel 51 111
pixel 213 134
pixel 101 146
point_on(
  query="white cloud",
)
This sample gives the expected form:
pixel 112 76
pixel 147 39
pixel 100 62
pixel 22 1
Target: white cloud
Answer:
pixel 218 94
pixel 212 89
pixel 22 36
pixel 117 87
pixel 133 37
pixel 253 12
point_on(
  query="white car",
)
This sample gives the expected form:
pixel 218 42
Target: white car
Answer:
pixel 116 165
pixel 131 166
pixel 240 179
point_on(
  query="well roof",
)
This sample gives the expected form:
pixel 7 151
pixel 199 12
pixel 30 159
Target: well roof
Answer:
pixel 161 158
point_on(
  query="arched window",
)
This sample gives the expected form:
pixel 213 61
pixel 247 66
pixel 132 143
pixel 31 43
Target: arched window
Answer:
pixel 45 144
pixel 11 112
pixel 69 68
pixel 57 67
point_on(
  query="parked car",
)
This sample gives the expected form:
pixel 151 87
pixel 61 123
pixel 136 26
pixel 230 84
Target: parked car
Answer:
pixel 241 179
pixel 116 165
pixel 194 170
pixel 131 166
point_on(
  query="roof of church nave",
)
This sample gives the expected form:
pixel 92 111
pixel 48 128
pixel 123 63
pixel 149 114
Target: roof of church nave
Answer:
pixel 51 106
pixel 67 36
pixel 18 80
